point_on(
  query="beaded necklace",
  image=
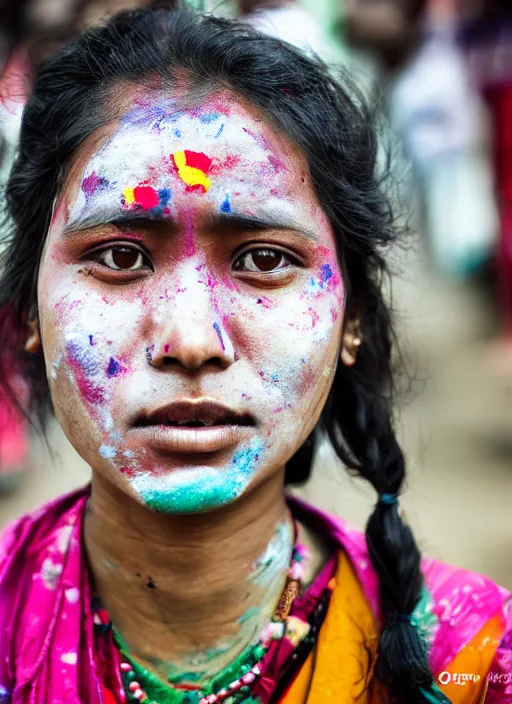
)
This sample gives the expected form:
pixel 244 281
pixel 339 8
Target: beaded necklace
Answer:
pixel 231 686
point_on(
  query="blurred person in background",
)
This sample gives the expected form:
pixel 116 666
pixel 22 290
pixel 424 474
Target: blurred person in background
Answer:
pixel 167 160
pixel 286 20
pixel 437 115
pixel 486 35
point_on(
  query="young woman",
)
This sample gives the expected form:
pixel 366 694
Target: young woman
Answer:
pixel 196 272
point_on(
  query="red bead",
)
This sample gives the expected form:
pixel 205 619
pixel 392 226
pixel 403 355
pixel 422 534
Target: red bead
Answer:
pixel 134 686
pixel 126 667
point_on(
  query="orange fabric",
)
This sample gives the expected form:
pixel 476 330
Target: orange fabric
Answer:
pixel 339 669
pixel 342 655
pixel 465 677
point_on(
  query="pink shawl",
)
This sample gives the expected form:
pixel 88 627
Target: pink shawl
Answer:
pixel 46 636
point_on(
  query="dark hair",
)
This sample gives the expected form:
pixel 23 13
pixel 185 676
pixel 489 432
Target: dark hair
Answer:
pixel 336 134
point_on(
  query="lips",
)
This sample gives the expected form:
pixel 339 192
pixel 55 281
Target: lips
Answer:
pixel 197 426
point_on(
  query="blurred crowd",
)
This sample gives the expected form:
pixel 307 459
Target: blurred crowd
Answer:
pixel 440 69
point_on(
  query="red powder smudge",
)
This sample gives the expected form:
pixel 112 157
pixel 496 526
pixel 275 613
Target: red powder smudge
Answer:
pixel 128 471
pixel 229 162
pixel 198 160
pixel 166 349
pixel 198 188
pixel 146 196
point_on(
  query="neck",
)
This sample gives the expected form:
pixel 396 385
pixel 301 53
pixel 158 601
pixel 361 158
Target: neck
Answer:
pixel 188 593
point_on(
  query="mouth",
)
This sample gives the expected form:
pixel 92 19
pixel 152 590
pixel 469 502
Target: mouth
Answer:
pixel 193 427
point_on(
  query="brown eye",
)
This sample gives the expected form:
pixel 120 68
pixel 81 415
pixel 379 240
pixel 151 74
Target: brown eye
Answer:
pixel 122 258
pixel 262 260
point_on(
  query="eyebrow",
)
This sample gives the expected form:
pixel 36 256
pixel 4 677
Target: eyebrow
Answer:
pixel 236 221
pixel 215 222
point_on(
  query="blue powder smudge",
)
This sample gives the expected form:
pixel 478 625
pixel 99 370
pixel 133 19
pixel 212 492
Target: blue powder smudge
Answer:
pixel 220 131
pixel 113 367
pixel 219 333
pixel 164 195
pixel 211 117
pixel 177 133
pixel 91 340
pixel 79 354
pixel 326 273
pixel 226 206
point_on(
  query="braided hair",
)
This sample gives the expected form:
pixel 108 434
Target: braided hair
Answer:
pixel 329 122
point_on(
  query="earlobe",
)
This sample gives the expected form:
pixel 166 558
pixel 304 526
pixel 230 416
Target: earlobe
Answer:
pixel 347 357
pixel 33 341
pixel 351 343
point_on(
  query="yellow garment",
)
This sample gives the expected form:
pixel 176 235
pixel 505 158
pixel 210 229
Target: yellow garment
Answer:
pixel 339 669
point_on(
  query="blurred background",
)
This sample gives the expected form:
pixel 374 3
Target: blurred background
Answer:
pixel 441 73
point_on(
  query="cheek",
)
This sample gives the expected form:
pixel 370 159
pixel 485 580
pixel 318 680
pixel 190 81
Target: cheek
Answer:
pixel 292 339
pixel 89 345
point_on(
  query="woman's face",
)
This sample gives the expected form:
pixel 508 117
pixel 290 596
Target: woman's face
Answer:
pixel 190 303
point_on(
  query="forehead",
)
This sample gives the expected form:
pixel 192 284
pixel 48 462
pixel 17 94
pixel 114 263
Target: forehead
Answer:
pixel 202 149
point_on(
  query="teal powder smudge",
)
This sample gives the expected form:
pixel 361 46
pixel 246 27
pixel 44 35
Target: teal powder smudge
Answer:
pixel 211 117
pixel 205 490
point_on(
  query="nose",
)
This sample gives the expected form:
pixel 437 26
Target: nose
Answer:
pixel 192 334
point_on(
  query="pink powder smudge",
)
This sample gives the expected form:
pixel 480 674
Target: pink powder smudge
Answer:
pixel 314 316
pixel 91 184
pixel 166 349
pixel 229 162
pixel 277 164
pixel 266 302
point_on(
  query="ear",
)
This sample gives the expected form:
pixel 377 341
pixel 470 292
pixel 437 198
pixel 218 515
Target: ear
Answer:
pixel 33 341
pixel 351 342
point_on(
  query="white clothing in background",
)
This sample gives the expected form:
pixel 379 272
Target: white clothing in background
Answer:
pixel 291 24
pixel 439 117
